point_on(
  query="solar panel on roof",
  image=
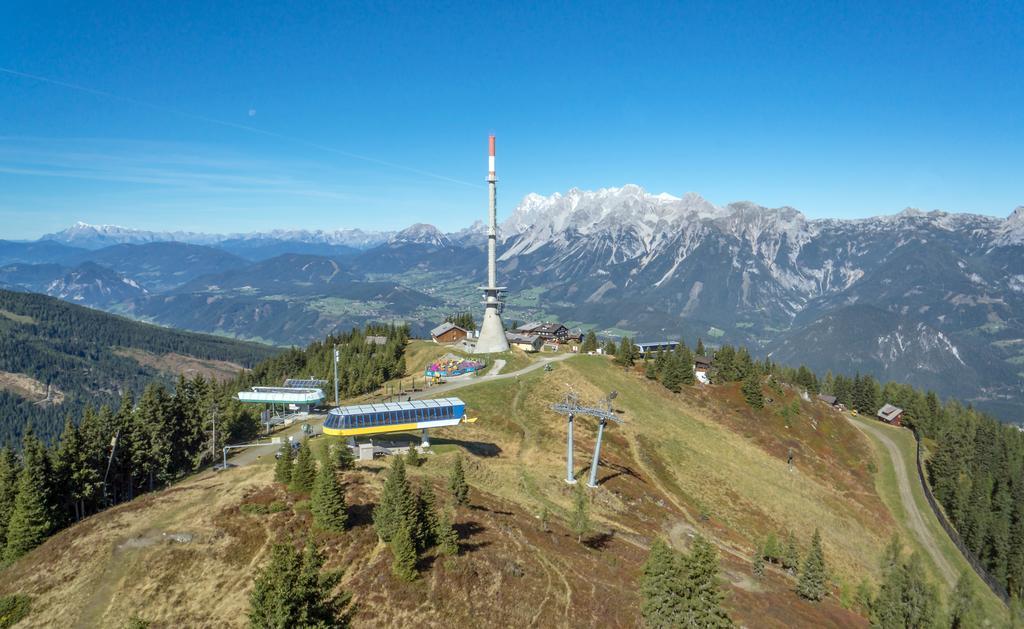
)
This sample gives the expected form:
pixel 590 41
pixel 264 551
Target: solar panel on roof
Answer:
pixel 308 383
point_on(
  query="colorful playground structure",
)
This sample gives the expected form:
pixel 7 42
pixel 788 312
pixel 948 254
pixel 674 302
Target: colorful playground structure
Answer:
pixel 370 419
pixel 451 365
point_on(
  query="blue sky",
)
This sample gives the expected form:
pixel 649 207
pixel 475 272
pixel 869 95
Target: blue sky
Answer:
pixel 239 116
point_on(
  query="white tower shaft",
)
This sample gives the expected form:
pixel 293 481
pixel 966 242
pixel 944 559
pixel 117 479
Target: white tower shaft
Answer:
pixel 492 330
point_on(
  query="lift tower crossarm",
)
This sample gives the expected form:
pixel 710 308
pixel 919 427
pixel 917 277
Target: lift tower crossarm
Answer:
pixel 571 407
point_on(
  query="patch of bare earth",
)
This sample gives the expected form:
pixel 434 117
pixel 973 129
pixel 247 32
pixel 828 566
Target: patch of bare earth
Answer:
pixel 181 365
pixel 30 388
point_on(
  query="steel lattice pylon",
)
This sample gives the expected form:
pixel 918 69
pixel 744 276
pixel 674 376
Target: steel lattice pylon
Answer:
pixel 571 407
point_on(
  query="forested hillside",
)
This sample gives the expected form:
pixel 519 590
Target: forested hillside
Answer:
pixel 79 352
pixel 162 435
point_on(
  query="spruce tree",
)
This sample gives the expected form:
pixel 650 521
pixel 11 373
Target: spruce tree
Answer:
pixel 412 457
pixel 589 342
pixel 403 550
pixel 626 352
pixel 31 518
pixel 283 467
pixel 343 458
pixel 752 390
pixel 906 598
pixel 673 374
pixel 791 554
pixel 813 584
pixel 758 562
pixel 702 597
pixel 304 471
pixel 291 591
pixel 423 526
pixel 685 364
pixel 661 587
pixel 320 608
pixel 864 596
pixel 772 552
pixel 457 483
pixel 274 600
pixel 580 521
pixel 963 608
pixel 650 370
pixel 446 535
pixel 327 503
pixel 396 502
pixel 8 491
pixel 700 347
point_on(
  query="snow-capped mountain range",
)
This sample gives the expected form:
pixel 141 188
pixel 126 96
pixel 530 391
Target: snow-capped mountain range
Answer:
pixel 96 236
pixel 934 298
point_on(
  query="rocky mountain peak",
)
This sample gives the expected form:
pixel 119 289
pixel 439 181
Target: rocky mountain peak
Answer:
pixel 421 233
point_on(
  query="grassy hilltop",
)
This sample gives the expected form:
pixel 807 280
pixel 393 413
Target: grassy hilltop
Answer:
pixel 699 461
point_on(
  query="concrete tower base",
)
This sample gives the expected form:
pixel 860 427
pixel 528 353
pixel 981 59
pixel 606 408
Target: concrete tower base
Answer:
pixel 492 334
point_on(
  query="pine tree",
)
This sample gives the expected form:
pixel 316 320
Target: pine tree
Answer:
pixel 963 608
pixel 457 483
pixel 661 587
pixel 752 390
pixel 700 347
pixel 791 554
pixel 446 535
pixel 589 342
pixel 813 584
pixel 304 471
pixel 580 521
pixel 283 467
pixel 610 348
pixel 396 502
pixel 650 370
pixel 404 552
pixel 702 597
pixel 758 562
pixel 327 503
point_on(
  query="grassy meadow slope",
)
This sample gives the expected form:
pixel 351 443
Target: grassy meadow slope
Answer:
pixel 700 461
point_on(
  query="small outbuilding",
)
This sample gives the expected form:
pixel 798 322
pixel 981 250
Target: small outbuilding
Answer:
pixel 891 415
pixel 831 400
pixel 448 332
pixel 525 342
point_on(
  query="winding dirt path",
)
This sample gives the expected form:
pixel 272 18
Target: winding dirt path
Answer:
pixel 906 480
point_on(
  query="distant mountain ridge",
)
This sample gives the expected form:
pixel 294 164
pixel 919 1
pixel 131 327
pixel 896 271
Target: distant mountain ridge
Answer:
pixel 89 236
pixel 626 261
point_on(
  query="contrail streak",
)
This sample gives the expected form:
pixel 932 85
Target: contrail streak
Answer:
pixel 232 125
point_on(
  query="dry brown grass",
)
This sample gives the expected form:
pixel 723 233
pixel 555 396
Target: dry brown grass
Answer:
pixel 671 470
